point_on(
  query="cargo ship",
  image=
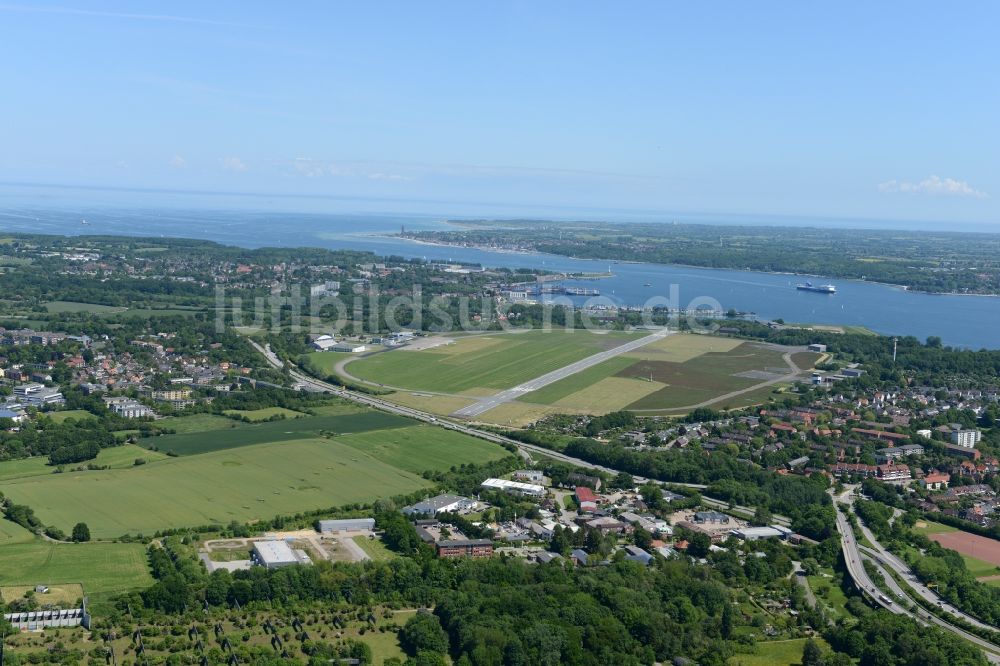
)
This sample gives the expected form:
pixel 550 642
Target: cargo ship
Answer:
pixel 821 288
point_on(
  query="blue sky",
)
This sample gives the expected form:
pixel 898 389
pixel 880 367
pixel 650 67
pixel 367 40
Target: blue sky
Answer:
pixel 864 110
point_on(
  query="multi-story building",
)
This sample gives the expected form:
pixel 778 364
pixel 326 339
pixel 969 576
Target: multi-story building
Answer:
pixel 965 438
pixel 127 408
pixel 475 548
pixel 38 395
pixel 893 473
pixel 170 395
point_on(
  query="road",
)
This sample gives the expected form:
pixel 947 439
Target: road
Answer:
pixel 891 561
pixel 311 384
pixel 486 404
pixel 854 557
pixel 799 576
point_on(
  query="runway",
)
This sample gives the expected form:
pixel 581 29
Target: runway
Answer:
pixel 486 404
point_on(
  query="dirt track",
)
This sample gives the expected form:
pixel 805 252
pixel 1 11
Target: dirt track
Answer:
pixel 972 545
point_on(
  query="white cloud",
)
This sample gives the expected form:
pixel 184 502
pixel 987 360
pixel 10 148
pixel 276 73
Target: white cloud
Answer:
pixel 178 162
pixel 233 164
pixel 309 167
pixel 387 176
pixel 314 168
pixel 933 185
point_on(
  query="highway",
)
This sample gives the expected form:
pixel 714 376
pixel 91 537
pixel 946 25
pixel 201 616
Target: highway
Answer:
pixel 312 384
pixel 853 556
pixel 891 561
pixel 316 385
pixel 485 404
pixel 893 599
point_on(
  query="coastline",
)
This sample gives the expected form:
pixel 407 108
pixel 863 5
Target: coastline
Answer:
pixel 486 248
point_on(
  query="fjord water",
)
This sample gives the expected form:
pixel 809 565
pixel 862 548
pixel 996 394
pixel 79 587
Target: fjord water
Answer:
pixel 962 321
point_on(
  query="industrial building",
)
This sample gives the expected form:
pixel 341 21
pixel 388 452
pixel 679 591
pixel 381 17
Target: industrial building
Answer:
pixel 350 347
pixel 347 525
pixel 440 504
pixel 757 533
pixel 38 395
pixel 710 517
pixel 324 343
pixel 277 554
pixel 514 487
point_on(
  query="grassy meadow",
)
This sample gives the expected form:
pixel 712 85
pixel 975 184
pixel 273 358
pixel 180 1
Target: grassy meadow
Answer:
pixel 264 414
pixel 249 472
pixel 669 374
pixel 104 569
pixel 775 653
pixel 117 457
pixel 483 364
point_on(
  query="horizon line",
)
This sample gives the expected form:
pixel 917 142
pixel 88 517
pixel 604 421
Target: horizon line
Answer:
pixel 446 217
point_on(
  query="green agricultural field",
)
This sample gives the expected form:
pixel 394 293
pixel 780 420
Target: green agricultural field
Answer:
pixel 249 481
pixel 78 414
pixel 117 457
pixel 483 363
pixel 421 448
pixel 59 307
pixel 12 533
pixel 123 457
pixel 198 423
pixel 103 569
pixel 263 414
pixel 275 431
pixel 12 469
pixel 213 488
